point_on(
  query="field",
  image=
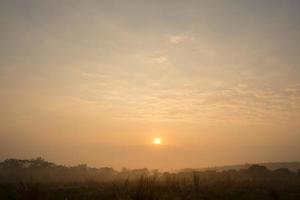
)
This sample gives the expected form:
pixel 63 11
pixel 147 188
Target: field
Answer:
pixel 47 181
pixel 149 189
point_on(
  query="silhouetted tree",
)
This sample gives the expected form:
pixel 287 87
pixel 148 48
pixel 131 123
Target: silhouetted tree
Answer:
pixel 258 171
pixel 282 172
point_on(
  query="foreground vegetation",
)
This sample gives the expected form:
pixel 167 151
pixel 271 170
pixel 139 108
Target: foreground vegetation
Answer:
pixel 38 179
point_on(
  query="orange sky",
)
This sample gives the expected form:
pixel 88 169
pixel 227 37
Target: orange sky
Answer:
pixel 95 81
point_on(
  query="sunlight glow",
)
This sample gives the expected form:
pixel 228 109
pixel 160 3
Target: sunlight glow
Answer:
pixel 157 141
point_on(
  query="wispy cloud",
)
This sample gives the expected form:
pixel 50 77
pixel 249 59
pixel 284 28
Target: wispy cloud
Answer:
pixel 170 98
pixel 160 59
pixel 175 39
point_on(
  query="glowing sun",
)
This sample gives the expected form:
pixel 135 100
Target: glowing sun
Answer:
pixel 157 141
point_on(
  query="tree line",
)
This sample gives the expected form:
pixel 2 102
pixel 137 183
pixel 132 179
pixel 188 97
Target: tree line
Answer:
pixel 40 170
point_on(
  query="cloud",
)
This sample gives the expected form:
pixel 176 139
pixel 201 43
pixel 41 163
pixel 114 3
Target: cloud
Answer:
pixel 175 39
pixel 160 59
pixel 165 99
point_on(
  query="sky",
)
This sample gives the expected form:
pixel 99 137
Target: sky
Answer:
pixel 95 81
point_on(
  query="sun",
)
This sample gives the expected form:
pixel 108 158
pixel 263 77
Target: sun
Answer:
pixel 157 141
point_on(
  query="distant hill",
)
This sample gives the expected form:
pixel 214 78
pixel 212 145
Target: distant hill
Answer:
pixel 293 166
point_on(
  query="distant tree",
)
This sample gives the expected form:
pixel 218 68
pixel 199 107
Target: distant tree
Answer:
pixel 81 167
pixel 106 173
pixel 12 163
pixel 136 173
pixel 109 170
pixel 40 163
pixel 155 173
pixel 258 171
pixel 282 172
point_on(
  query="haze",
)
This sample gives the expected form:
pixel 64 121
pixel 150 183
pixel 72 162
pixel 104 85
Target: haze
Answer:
pixel 96 81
